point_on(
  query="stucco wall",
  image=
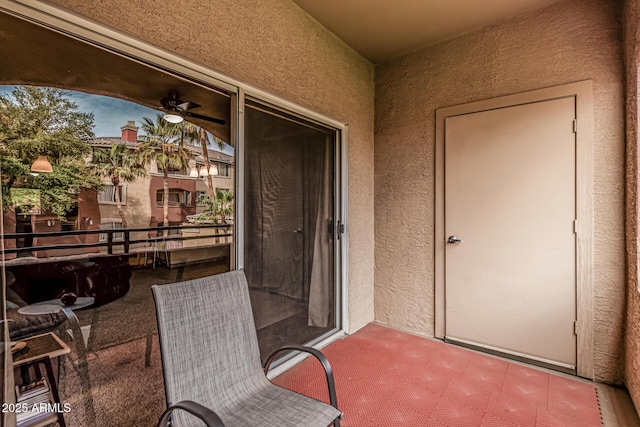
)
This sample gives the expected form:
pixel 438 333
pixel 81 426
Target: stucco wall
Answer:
pixel 632 335
pixel 275 46
pixel 567 42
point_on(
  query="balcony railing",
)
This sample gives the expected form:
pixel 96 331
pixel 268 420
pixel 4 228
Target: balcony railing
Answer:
pixel 112 242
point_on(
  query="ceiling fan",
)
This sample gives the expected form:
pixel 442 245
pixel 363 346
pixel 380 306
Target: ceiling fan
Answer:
pixel 178 110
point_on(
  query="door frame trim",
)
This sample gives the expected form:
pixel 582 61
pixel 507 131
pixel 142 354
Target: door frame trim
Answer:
pixel 583 92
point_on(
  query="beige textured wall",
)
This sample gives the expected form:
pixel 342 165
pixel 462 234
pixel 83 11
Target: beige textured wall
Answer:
pixel 567 42
pixel 632 335
pixel 274 46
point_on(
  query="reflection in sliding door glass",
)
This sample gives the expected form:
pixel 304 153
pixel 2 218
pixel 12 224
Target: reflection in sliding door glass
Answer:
pixel 289 217
pixel 105 195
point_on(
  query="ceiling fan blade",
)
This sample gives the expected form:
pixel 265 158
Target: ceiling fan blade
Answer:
pixel 207 118
pixel 184 106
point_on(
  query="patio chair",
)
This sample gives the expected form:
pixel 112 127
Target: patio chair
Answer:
pixel 211 361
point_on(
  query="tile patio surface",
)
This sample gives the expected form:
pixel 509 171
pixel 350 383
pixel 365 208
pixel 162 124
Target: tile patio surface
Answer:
pixel 388 378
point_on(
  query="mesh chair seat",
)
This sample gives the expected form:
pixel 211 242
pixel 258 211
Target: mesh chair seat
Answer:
pixel 272 406
pixel 210 356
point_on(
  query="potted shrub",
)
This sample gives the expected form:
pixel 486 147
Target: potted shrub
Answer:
pixel 219 210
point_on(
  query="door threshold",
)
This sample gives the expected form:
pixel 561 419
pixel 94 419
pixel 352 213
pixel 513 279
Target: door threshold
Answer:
pixel 519 357
pixel 289 363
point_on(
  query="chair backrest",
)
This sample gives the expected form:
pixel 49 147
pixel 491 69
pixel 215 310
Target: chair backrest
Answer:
pixel 208 340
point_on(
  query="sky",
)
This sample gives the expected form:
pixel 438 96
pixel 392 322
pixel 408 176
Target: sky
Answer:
pixel 110 114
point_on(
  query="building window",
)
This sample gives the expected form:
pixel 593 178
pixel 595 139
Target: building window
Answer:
pixel 111 224
pixel 177 197
pixel 108 196
pixel 223 170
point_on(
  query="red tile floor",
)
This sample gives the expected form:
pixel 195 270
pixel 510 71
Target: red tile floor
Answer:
pixel 389 378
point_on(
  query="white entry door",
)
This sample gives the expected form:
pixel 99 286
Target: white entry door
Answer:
pixel 510 200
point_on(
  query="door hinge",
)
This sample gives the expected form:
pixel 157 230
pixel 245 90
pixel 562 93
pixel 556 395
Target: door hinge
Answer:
pixel 575 327
pixel 339 229
pixel 575 125
pixel 575 226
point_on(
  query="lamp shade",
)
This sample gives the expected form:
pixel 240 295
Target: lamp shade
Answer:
pixel 173 118
pixel 41 165
pixel 193 173
pixel 213 170
pixel 203 171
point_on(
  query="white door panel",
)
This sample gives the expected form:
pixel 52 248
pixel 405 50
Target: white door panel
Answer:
pixel 510 196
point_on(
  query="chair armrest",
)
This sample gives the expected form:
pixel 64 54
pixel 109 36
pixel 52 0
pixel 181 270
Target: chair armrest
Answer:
pixel 321 358
pixel 210 418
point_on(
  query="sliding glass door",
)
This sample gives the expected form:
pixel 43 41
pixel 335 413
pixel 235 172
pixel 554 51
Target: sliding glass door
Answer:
pixel 289 223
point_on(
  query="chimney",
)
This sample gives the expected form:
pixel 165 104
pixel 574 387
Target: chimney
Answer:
pixel 130 131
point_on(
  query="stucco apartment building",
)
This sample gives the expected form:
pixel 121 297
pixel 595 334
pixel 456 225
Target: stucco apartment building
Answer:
pixel 142 198
pixel 392 199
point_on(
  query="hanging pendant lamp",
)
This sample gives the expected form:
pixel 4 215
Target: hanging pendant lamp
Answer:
pixel 42 165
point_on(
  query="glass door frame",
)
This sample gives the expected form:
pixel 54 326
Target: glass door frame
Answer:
pixel 339 210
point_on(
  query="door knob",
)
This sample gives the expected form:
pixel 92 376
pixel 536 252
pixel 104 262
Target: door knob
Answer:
pixel 299 230
pixel 454 239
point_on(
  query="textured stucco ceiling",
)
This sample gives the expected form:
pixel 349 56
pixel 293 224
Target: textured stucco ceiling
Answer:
pixel 382 29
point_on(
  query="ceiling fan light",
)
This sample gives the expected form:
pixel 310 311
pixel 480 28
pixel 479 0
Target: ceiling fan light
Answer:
pixel 173 118
pixel 41 165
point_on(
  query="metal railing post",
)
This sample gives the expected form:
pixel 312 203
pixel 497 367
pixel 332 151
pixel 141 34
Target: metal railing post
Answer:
pixel 110 242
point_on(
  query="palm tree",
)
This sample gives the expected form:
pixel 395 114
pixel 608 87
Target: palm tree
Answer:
pixel 119 164
pixel 163 143
pixel 198 134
